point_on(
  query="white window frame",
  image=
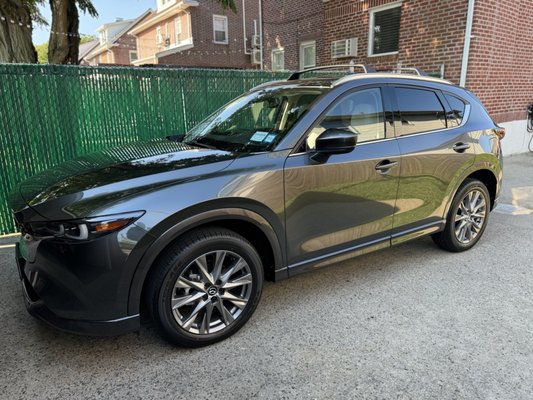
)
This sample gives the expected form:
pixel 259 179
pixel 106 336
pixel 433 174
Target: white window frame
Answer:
pixel 279 50
pixel 136 53
pixel 178 30
pixel 158 36
pixel 225 19
pixel 371 21
pixel 103 36
pixel 303 45
pixel 164 4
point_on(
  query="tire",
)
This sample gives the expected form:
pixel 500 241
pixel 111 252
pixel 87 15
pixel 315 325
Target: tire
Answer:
pixel 472 218
pixel 205 287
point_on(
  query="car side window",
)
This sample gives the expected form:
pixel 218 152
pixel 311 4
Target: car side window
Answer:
pixel 455 117
pixel 359 112
pixel 421 111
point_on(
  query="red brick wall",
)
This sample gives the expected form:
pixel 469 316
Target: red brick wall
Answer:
pixel 207 54
pixel 432 33
pixel 500 69
pixel 287 23
pixel 345 19
pixel 126 43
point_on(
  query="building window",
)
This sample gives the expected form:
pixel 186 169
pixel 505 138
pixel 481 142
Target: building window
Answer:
pixel 162 4
pixel 384 29
pixel 278 60
pixel 307 54
pixel 220 29
pixel 133 56
pixel 177 24
pixel 103 37
pixel 158 36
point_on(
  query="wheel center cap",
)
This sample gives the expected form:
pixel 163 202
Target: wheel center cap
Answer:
pixel 212 290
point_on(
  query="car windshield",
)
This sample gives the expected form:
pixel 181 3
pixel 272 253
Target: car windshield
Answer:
pixel 254 122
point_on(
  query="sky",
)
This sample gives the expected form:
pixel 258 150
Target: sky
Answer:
pixel 108 10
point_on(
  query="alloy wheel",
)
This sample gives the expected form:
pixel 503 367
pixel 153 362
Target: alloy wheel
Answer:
pixel 211 292
pixel 470 216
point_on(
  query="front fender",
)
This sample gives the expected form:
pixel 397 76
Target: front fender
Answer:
pixel 174 226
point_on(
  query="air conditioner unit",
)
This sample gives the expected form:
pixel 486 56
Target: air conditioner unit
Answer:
pixel 256 56
pixel 167 41
pixel 344 48
pixel 256 41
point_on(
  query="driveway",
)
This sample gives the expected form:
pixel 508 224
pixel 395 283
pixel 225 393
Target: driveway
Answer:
pixel 407 322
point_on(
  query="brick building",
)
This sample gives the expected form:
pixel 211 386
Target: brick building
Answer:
pixel 292 34
pixel 480 44
pixel 193 33
pixel 116 46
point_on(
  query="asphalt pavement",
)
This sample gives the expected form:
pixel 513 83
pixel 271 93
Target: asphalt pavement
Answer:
pixel 410 322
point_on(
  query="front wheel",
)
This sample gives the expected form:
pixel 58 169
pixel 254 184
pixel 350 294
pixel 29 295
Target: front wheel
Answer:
pixel 467 218
pixel 205 287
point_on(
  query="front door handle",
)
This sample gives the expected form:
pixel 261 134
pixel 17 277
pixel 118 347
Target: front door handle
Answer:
pixel 460 147
pixel 385 166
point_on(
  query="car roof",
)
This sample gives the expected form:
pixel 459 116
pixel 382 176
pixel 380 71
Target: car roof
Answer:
pixel 330 82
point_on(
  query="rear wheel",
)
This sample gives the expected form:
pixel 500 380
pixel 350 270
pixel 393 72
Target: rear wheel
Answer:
pixel 467 218
pixel 205 287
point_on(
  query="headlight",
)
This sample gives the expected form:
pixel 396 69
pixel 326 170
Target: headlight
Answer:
pixel 84 229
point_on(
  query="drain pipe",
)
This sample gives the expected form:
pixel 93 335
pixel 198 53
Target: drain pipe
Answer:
pixel 244 29
pixel 466 48
pixel 261 33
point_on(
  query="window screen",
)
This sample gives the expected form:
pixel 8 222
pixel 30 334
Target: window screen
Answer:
pixel 455 118
pixel 359 112
pixel 420 110
pixel 385 30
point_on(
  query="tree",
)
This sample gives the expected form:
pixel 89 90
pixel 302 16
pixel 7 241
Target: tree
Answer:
pixel 63 47
pixel 16 29
pixel 42 53
pixel 228 4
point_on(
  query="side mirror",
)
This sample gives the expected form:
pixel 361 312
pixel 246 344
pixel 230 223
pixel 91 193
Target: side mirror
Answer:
pixel 335 141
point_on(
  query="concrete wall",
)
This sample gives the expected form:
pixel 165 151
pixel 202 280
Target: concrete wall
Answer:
pixel 516 137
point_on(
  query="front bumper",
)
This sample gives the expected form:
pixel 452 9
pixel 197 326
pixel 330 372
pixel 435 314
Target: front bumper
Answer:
pixel 36 306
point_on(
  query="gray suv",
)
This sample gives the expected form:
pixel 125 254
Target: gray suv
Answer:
pixel 290 176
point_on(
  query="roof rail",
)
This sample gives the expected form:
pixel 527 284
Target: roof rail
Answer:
pixel 417 71
pixel 366 69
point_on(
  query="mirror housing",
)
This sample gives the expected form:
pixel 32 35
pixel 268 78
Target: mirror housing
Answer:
pixel 335 141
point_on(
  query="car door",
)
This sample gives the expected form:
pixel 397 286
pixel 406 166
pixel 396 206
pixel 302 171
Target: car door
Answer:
pixel 436 148
pixel 343 202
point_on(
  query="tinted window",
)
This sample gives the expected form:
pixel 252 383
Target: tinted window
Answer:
pixel 457 105
pixel 421 111
pixel 359 112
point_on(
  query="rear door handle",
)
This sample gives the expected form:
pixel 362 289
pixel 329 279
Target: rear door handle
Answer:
pixel 385 166
pixel 460 147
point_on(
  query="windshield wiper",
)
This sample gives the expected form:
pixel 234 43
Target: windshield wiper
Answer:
pixel 198 144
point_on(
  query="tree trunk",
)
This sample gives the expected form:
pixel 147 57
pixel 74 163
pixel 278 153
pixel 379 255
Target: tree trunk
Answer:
pixel 16 44
pixel 64 44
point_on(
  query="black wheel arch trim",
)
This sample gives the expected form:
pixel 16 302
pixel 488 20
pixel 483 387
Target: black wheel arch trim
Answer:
pixel 209 212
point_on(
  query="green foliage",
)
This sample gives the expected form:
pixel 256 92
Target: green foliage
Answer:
pixel 42 53
pixel 86 39
pixel 228 4
pixel 87 7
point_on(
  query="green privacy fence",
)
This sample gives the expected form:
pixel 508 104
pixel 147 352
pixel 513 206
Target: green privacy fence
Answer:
pixel 50 114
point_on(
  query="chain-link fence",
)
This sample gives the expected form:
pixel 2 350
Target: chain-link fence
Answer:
pixel 50 114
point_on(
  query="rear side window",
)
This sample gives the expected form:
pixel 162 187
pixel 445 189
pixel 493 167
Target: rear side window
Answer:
pixel 421 111
pixel 455 117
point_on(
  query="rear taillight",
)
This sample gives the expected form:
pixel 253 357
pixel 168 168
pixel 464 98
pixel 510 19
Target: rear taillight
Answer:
pixel 500 132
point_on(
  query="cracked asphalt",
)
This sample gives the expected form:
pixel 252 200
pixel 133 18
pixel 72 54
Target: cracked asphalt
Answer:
pixel 407 322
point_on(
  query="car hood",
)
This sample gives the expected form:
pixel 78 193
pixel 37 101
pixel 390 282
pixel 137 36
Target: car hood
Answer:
pixel 75 188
